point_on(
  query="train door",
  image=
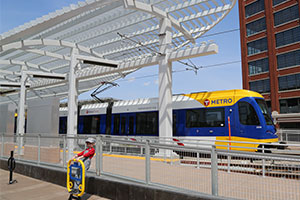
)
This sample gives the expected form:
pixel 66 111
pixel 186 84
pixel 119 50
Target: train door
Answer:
pixel 116 124
pixel 249 124
pixel 128 124
pixel 178 122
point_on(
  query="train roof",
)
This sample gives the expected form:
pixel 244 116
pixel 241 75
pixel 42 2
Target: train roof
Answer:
pixel 215 98
pixel 222 97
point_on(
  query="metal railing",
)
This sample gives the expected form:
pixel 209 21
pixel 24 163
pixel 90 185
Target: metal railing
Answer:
pixel 289 135
pixel 187 165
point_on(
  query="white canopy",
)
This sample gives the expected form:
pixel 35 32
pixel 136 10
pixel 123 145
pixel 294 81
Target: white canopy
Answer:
pixel 126 32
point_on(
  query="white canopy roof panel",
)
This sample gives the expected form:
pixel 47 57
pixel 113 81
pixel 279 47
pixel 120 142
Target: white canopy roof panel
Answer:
pixel 122 31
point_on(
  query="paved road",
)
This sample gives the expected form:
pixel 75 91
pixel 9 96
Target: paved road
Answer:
pixel 32 189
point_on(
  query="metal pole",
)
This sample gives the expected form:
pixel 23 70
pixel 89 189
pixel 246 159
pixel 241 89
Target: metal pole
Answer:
pixel 171 158
pixel 2 146
pixel 19 147
pixel 64 152
pixel 21 111
pixel 263 162
pixel 198 160
pixel 165 82
pixel 100 155
pixel 97 155
pixel 72 102
pixel 147 153
pixel 214 171
pixel 39 149
pixel 228 160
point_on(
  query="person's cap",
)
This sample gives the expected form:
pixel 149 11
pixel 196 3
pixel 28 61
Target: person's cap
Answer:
pixel 90 140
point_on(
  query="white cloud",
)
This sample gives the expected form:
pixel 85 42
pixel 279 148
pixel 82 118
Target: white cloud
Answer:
pixel 131 79
pixel 147 83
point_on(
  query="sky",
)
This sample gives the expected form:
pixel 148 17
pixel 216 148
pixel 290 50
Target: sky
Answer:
pixel 144 83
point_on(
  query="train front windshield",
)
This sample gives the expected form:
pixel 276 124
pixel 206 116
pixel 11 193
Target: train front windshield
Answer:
pixel 263 107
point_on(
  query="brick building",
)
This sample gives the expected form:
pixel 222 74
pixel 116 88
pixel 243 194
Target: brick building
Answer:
pixel 270 43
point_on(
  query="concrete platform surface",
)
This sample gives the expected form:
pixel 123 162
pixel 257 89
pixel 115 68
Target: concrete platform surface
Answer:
pixel 32 189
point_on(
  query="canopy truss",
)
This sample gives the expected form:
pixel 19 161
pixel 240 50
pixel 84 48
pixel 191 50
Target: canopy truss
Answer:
pixel 92 27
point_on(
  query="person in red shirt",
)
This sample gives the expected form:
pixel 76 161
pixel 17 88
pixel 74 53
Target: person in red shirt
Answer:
pixel 88 153
pixel 86 157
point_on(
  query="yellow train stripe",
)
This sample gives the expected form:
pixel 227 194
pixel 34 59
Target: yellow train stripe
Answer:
pixel 250 147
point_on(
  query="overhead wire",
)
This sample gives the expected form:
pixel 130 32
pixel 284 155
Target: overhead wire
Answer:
pixel 182 70
pixel 192 65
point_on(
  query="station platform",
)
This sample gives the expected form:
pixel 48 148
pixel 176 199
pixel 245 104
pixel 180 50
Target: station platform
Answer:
pixel 32 189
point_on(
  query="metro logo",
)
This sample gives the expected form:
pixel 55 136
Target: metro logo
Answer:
pixel 221 101
pixel 217 102
pixel 206 102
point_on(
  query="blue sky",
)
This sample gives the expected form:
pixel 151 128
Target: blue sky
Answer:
pixel 17 12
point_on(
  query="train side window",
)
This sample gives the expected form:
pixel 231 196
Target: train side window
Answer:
pixel 91 124
pixel 147 123
pixel 116 124
pixel 247 114
pixel 131 125
pixel 215 117
pixel 174 124
pixel 207 117
pixel 123 123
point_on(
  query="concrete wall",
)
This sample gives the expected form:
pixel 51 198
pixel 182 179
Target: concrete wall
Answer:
pixel 7 118
pixel 105 187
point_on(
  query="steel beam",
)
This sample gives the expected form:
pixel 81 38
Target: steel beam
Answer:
pixel 72 102
pixel 165 80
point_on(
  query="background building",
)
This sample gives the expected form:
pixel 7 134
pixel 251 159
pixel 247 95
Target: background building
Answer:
pixel 270 43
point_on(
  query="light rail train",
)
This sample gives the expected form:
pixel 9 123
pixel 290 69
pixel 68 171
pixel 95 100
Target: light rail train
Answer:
pixel 203 115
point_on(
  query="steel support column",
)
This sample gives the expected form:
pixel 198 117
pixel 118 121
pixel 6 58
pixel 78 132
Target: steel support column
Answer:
pixel 72 103
pixel 165 80
pixel 21 111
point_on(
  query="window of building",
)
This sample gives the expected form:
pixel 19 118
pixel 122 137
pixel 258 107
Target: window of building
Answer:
pixel 288 59
pixel 256 26
pixel 247 114
pixel 288 37
pixel 291 125
pixel 276 2
pixel 290 105
pixel 258 66
pixel 147 123
pixel 257 46
pixel 254 8
pixel 261 86
pixel 211 117
pixel 91 124
pixel 286 15
pixel 289 82
pixel 269 106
